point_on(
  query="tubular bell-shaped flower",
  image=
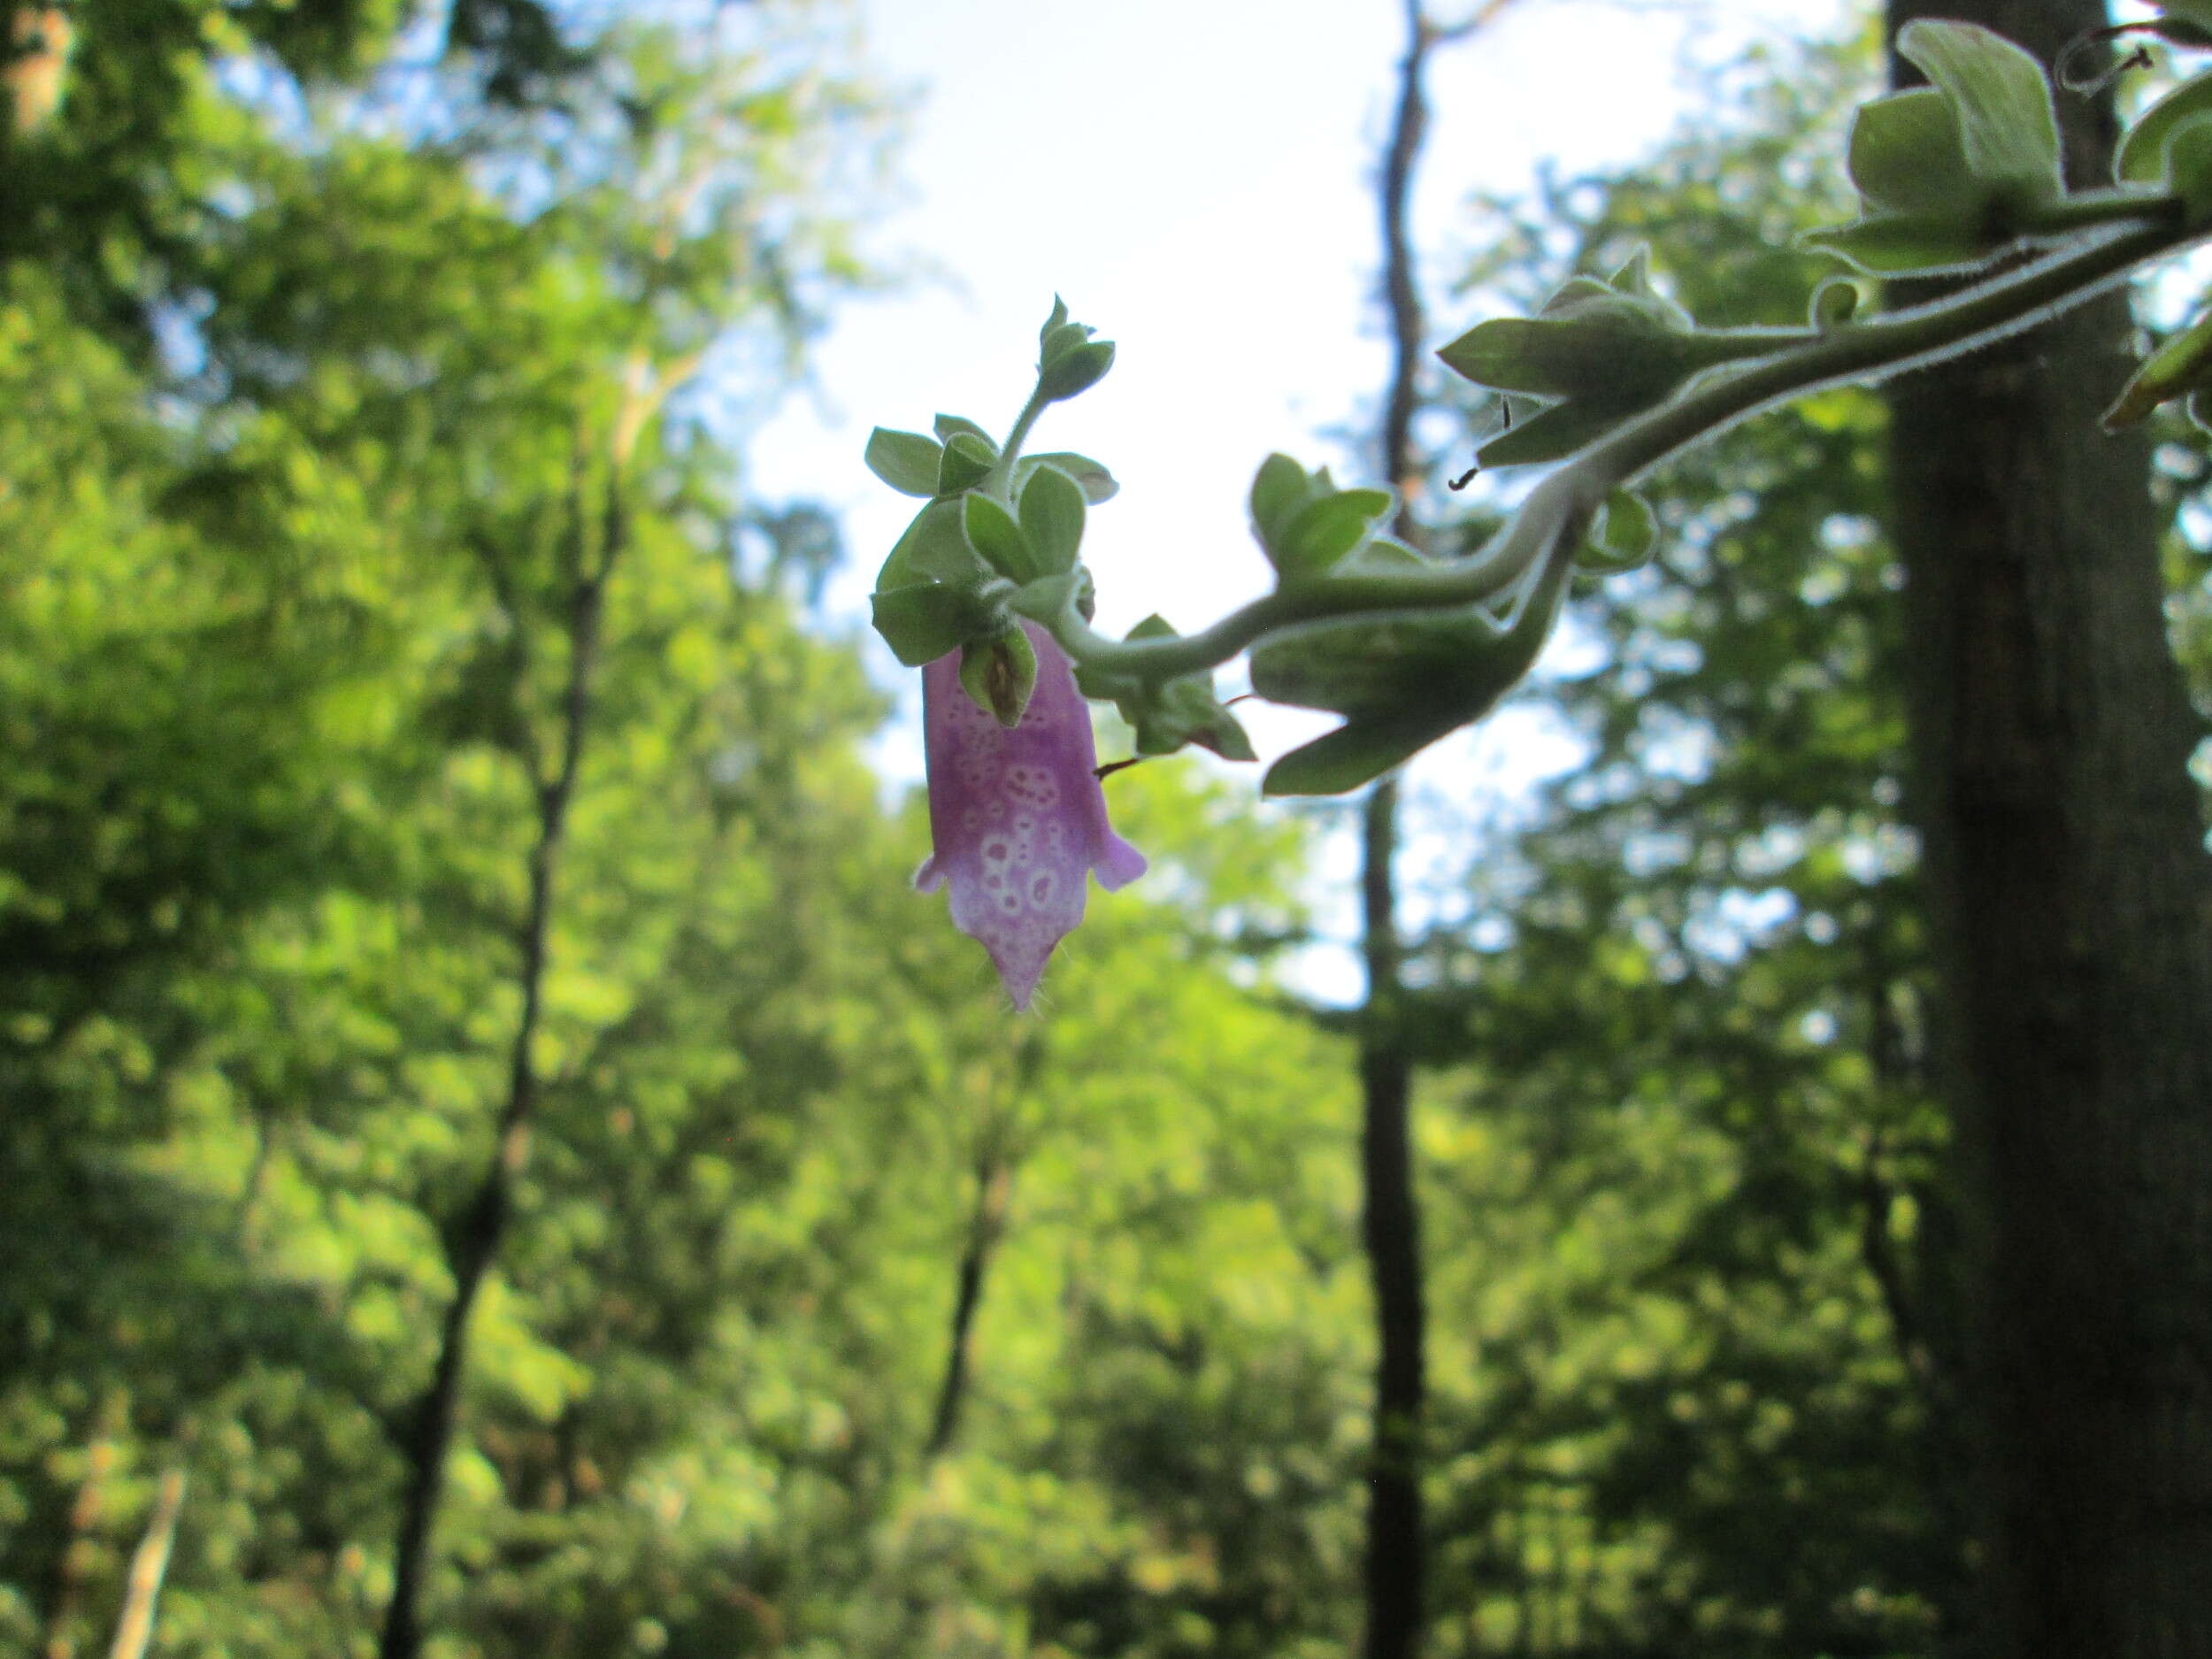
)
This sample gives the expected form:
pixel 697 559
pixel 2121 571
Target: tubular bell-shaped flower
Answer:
pixel 1017 816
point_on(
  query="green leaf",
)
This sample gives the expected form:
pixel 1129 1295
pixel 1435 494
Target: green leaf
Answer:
pixel 1404 683
pixel 1278 490
pixel 1323 532
pixel 1061 340
pixel 1052 518
pixel 1356 753
pixel 1059 315
pixel 2189 166
pixel 1623 537
pixel 1554 433
pixel 1167 715
pixel 2141 158
pixel 934 548
pixel 2197 14
pixel 2180 367
pixel 949 426
pixel 967 462
pixel 1000 673
pixel 2002 100
pixel 1098 483
pixel 907 461
pixel 922 623
pixel 1894 245
pixel 1606 352
pixel 1076 371
pixel 1907 157
pixel 998 539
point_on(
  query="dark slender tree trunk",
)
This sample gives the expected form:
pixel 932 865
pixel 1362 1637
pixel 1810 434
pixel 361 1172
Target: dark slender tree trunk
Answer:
pixel 1391 1229
pixel 472 1243
pixel 1396 1568
pixel 993 1182
pixel 2071 905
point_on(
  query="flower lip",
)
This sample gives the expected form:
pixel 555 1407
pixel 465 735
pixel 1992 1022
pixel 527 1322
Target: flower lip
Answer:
pixel 1017 818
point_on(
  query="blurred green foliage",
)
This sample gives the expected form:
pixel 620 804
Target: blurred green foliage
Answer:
pixel 305 389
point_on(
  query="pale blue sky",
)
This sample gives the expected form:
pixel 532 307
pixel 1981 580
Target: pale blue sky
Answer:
pixel 1194 176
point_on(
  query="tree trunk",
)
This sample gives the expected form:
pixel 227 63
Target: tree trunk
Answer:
pixel 1390 1219
pixel 81 1552
pixel 2071 906
pixel 149 1564
pixel 474 1242
pixel 994 1181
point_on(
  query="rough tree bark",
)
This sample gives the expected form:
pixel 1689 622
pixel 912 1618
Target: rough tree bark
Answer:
pixel 2071 904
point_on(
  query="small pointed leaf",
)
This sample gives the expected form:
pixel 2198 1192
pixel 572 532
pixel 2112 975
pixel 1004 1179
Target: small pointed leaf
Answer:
pixel 934 548
pixel 1052 518
pixel 1076 370
pixel 948 427
pixel 997 538
pixel 1278 490
pixel 1323 532
pixel 1098 483
pixel 1000 673
pixel 2141 158
pixel 1891 244
pixel 2002 99
pixel 967 462
pixel 922 623
pixel 1906 156
pixel 907 461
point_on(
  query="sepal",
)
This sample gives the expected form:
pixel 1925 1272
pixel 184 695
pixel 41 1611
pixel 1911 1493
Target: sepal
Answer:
pixel 1623 538
pixel 1000 673
pixel 1952 173
pixel 1405 682
pixel 923 622
pixel 2180 368
pixel 1305 525
pixel 1166 714
pixel 907 461
pixel 968 461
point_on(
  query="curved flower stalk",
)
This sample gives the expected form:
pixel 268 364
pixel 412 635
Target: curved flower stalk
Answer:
pixel 1016 815
pixel 1962 176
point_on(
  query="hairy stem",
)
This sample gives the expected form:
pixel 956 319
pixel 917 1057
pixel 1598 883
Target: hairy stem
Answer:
pixel 2001 305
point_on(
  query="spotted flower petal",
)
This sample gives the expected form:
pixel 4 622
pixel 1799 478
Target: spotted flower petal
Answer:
pixel 1016 815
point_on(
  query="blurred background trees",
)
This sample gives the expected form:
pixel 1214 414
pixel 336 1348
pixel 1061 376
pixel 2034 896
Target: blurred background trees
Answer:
pixel 438 871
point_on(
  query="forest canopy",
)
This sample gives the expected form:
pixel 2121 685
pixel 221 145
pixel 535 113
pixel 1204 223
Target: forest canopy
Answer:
pixel 498 1160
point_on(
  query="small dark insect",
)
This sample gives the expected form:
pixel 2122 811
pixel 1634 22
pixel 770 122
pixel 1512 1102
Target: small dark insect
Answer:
pixel 1467 477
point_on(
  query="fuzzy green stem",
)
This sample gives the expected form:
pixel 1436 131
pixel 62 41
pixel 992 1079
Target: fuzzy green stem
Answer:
pixel 1563 503
pixel 1000 481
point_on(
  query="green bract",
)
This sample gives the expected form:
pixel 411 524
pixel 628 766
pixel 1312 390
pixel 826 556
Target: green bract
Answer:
pixel 1404 683
pixel 1001 536
pixel 1304 523
pixel 999 673
pixel 1952 173
pixel 1607 349
pixel 907 461
pixel 923 622
pixel 2179 368
pixel 1623 537
pixel 1167 714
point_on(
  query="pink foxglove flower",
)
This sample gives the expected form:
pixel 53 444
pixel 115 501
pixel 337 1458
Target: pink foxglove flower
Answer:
pixel 1016 815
